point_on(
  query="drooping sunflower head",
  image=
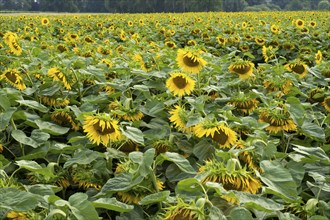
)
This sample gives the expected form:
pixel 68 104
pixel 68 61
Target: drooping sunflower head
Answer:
pixel 64 118
pixel 107 62
pixel 268 53
pixel 247 157
pixel 231 175
pixel 316 95
pixel 260 40
pixel 54 101
pixel 326 103
pixel 58 75
pixel 15 48
pixel 318 57
pixel 182 210
pixel 162 146
pixel 243 68
pixel 85 177
pixel 132 115
pixel 298 67
pixel 244 103
pixel 180 84
pixel 8 37
pixel 126 145
pixel 217 131
pixel 14 78
pixel 281 85
pixel 189 60
pixel 221 40
pixel 274 29
pixel 101 129
pixel 179 117
pixel 278 118
pixel 170 44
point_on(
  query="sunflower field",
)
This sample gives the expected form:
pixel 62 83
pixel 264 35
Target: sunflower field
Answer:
pixel 165 116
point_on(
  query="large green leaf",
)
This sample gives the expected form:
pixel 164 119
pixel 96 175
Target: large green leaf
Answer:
pixel 296 109
pixel 81 208
pixel 145 160
pixel 85 156
pixel 189 187
pixel 14 199
pixel 279 180
pixel 313 131
pixel 4 101
pixel 178 159
pixel 21 137
pixel 33 105
pixel 5 117
pixel 203 150
pixel 311 154
pixel 51 128
pixel 134 134
pixel 121 182
pixel 240 213
pixel 35 167
pixel 112 204
pixel 154 198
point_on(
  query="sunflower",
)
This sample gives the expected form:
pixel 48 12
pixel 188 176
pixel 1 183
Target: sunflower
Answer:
pixel 180 84
pixel 243 68
pixel 84 177
pixel 15 48
pixel 316 95
pixel 57 75
pixel 132 115
pixel 260 41
pixel 182 210
pixel 312 24
pixel 170 44
pixel 221 40
pixel 88 39
pixel 179 117
pixel 101 128
pixel 64 118
pixel 55 101
pixel 247 157
pixel 107 62
pixel 16 215
pixel 274 29
pixel 104 51
pixel 45 21
pixel 189 60
pixel 244 103
pixel 244 48
pixel 278 84
pixel 8 37
pixel 326 103
pixel 217 131
pixel 14 78
pixel 231 175
pixel 318 57
pixel 298 67
pixel 191 43
pixel 278 118
pixel 62 48
pixel 268 53
pixel 162 146
pixel 126 145
pixel 300 23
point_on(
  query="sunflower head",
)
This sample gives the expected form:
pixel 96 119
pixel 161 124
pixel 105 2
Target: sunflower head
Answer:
pixel 162 146
pixel 244 103
pixel 318 57
pixel 217 131
pixel 179 117
pixel 300 23
pixel 84 176
pixel 64 118
pixel 268 53
pixel 189 60
pixel 231 175
pixel 45 21
pixel 58 75
pixel 278 84
pixel 278 119
pixel 326 103
pixel 298 67
pixel 126 145
pixel 180 84
pixel 316 95
pixel 183 210
pixel 14 78
pixel 101 128
pixel 243 68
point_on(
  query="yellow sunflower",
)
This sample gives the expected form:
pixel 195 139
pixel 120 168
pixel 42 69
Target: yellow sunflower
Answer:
pixel 180 84
pixel 8 37
pixel 274 29
pixel 278 119
pixel 268 53
pixel 54 101
pixel 15 48
pixel 179 117
pixel 231 175
pixel 278 84
pixel 190 61
pixel 247 157
pixel 217 131
pixel 14 78
pixel 63 117
pixel 16 215
pixel 221 40
pixel 101 128
pixel 243 68
pixel 132 115
pixel 57 75
pixel 298 67
pixel 182 210
pixel 318 57
pixel 300 23
pixel 45 21
pixel 326 103
pixel 170 44
pixel 260 40
pixel 244 103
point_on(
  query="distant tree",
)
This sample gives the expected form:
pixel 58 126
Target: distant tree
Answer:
pixel 281 3
pixel 295 5
pixel 234 5
pixel 324 5
pixel 255 2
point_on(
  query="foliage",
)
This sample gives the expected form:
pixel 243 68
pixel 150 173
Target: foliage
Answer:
pixel 165 116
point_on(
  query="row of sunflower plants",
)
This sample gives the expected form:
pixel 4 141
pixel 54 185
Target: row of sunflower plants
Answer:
pixel 165 116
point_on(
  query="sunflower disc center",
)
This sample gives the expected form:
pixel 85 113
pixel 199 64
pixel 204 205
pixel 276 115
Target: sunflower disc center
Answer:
pixel 299 69
pixel 105 131
pixel 190 61
pixel 242 69
pixel 220 137
pixel 180 82
pixel 11 76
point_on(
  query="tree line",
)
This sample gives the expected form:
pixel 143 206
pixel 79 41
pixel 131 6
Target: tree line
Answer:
pixel 147 6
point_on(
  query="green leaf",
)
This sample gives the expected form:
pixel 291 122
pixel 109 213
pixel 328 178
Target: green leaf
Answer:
pixel 297 171
pixel 179 160
pixel 145 160
pixel 81 208
pixel 34 105
pixel 216 213
pixel 134 134
pixel 313 154
pixel 279 180
pixel 84 156
pixel 203 150
pixel 190 187
pixel 14 199
pixel 5 117
pixel 174 174
pixel 121 182
pixel 42 189
pixel 51 128
pixel 112 204
pixel 240 213
pixel 21 137
pixel 39 136
pixel 296 110
pixel 35 167
pixel 4 101
pixel 154 198
pixel 313 131
pixel 49 90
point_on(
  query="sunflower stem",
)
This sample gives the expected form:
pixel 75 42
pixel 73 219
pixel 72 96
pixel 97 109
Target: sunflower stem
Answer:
pixel 154 181
pixel 76 78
